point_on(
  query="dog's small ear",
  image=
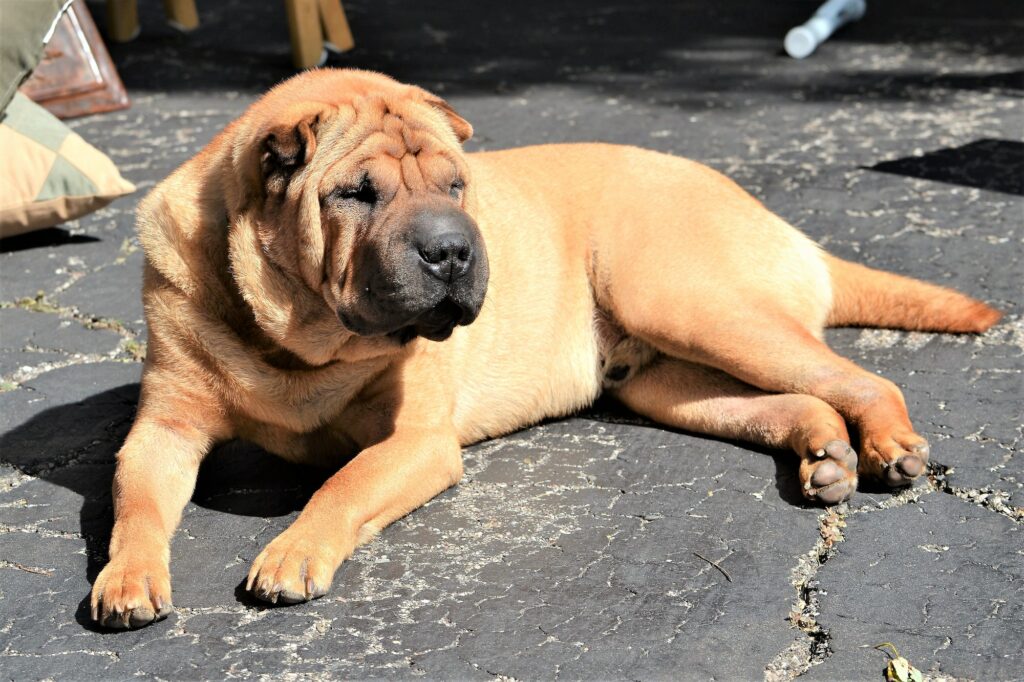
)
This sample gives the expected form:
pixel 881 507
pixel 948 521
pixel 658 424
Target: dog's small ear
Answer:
pixel 460 126
pixel 286 148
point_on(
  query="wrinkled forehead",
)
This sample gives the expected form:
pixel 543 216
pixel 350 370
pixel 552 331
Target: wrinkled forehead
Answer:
pixel 399 134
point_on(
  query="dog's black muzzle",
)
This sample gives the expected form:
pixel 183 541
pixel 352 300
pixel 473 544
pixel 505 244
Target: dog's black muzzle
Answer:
pixel 428 279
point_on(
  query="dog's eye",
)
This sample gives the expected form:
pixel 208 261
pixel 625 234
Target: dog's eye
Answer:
pixel 364 192
pixel 455 191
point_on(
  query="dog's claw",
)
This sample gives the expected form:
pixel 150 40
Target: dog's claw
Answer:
pixel 290 570
pixel 289 597
pixel 131 593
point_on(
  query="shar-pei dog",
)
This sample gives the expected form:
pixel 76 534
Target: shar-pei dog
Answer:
pixel 334 279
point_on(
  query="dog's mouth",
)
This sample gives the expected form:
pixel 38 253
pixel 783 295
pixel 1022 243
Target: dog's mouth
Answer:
pixel 436 324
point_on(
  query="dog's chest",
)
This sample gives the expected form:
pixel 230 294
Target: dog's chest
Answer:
pixel 535 358
pixel 326 446
pixel 282 409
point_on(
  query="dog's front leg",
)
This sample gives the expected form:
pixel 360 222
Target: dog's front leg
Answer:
pixel 381 484
pixel 156 474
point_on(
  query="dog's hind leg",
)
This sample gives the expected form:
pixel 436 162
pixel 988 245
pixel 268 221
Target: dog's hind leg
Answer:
pixel 735 288
pixel 702 399
pixel 768 349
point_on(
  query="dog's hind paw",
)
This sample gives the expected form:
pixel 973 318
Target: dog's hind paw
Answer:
pixel 829 473
pixel 896 459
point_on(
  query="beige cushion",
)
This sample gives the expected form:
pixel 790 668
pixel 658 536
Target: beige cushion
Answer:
pixel 48 174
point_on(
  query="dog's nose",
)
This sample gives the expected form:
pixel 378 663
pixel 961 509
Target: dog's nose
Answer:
pixel 447 256
pixel 444 242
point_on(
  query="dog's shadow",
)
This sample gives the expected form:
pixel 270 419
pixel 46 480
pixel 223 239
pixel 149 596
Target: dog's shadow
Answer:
pixel 74 446
pixel 787 481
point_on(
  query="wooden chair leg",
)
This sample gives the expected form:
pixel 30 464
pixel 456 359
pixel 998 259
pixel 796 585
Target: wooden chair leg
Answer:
pixel 122 20
pixel 336 28
pixel 182 14
pixel 304 27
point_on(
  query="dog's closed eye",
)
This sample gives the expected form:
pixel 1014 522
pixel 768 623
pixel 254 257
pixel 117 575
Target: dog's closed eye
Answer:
pixel 455 191
pixel 364 192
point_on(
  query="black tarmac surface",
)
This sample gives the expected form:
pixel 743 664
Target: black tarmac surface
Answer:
pixel 570 550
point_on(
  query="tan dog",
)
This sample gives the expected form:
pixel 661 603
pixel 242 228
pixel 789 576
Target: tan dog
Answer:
pixel 303 268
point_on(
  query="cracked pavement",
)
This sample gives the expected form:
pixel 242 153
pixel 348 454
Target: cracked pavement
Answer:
pixel 598 546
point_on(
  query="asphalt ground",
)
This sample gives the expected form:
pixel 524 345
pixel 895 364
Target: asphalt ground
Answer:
pixel 600 546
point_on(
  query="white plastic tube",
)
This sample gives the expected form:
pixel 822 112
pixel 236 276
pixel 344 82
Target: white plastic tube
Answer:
pixel 803 40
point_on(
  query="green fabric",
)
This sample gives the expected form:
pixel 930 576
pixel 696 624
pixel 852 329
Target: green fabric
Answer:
pixel 34 122
pixel 23 26
pixel 65 180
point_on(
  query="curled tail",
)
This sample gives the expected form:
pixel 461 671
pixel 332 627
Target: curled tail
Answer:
pixel 864 297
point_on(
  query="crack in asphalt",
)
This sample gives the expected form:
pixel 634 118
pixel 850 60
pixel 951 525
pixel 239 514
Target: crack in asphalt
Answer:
pixel 129 349
pixel 813 646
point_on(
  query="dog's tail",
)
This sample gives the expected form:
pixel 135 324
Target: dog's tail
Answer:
pixel 864 297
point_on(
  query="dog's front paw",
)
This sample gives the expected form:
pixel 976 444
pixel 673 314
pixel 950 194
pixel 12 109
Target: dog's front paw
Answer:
pixel 131 592
pixel 295 567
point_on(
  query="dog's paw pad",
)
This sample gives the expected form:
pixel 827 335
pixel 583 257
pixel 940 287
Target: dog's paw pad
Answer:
pixel 828 473
pixel 904 470
pixel 897 463
pixel 840 451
